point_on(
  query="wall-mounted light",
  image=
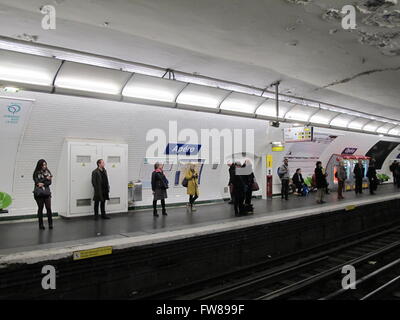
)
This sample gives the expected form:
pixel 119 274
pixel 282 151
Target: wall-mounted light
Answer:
pixel 11 89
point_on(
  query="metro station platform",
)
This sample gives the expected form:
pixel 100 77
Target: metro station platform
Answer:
pixel 23 241
pixel 133 255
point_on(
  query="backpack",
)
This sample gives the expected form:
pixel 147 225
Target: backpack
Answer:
pixel 280 175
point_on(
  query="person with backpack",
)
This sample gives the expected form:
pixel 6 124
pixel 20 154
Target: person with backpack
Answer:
pixel 320 181
pixel 283 173
pixel 372 178
pixel 192 189
pixel 341 176
pixel 159 186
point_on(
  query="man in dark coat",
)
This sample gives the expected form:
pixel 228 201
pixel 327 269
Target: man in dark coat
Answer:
pixel 371 175
pixel 101 189
pixel 359 175
pixel 230 183
pixel 394 168
pixel 239 189
pixel 321 183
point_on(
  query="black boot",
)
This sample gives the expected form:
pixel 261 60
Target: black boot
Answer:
pixel 155 214
pixel 50 220
pixel 41 225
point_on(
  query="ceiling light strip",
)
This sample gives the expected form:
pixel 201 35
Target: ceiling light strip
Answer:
pixel 123 65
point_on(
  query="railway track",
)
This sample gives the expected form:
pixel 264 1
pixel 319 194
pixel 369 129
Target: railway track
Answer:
pixel 318 275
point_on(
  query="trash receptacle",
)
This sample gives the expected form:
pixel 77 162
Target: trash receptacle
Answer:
pixel 134 191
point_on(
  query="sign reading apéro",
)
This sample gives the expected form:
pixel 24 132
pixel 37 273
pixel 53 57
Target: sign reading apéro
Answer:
pixel 182 149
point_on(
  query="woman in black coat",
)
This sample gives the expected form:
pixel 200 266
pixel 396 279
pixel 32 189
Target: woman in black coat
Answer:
pixel 371 175
pixel 41 193
pixel 159 185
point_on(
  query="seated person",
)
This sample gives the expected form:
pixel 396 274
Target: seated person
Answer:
pixel 298 181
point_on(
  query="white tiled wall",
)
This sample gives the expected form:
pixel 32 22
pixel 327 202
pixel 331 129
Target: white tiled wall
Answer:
pixel 55 118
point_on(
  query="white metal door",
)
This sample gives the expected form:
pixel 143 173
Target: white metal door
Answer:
pixel 115 157
pixel 83 159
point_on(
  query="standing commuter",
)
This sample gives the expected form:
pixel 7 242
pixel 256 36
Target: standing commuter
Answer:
pixel 230 183
pixel 359 171
pixel 320 180
pixel 101 189
pixel 394 170
pixel 298 181
pixel 192 189
pixel 159 185
pixel 372 178
pixel 396 174
pixel 239 189
pixel 41 193
pixel 283 173
pixel 249 180
pixel 341 176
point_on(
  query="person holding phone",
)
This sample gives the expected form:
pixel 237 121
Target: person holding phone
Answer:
pixel 159 186
pixel 192 178
pixel 42 178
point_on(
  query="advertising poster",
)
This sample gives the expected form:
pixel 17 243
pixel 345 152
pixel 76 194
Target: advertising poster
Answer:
pixel 14 114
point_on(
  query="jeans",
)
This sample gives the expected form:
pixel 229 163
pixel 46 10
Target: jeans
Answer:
pixel 238 202
pixel 373 183
pixel 285 188
pixel 340 188
pixel 42 202
pixel 359 186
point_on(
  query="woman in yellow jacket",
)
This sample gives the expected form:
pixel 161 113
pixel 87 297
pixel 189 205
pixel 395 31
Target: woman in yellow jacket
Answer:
pixel 192 178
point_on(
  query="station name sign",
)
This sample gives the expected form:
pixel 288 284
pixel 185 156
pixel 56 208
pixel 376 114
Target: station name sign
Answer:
pixel 182 149
pixel 349 151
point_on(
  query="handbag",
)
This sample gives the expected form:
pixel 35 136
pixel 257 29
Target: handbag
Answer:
pixel 255 186
pixel 185 182
pixel 41 192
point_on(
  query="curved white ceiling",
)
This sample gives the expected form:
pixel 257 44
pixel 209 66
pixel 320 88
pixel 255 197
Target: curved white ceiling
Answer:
pixel 254 42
